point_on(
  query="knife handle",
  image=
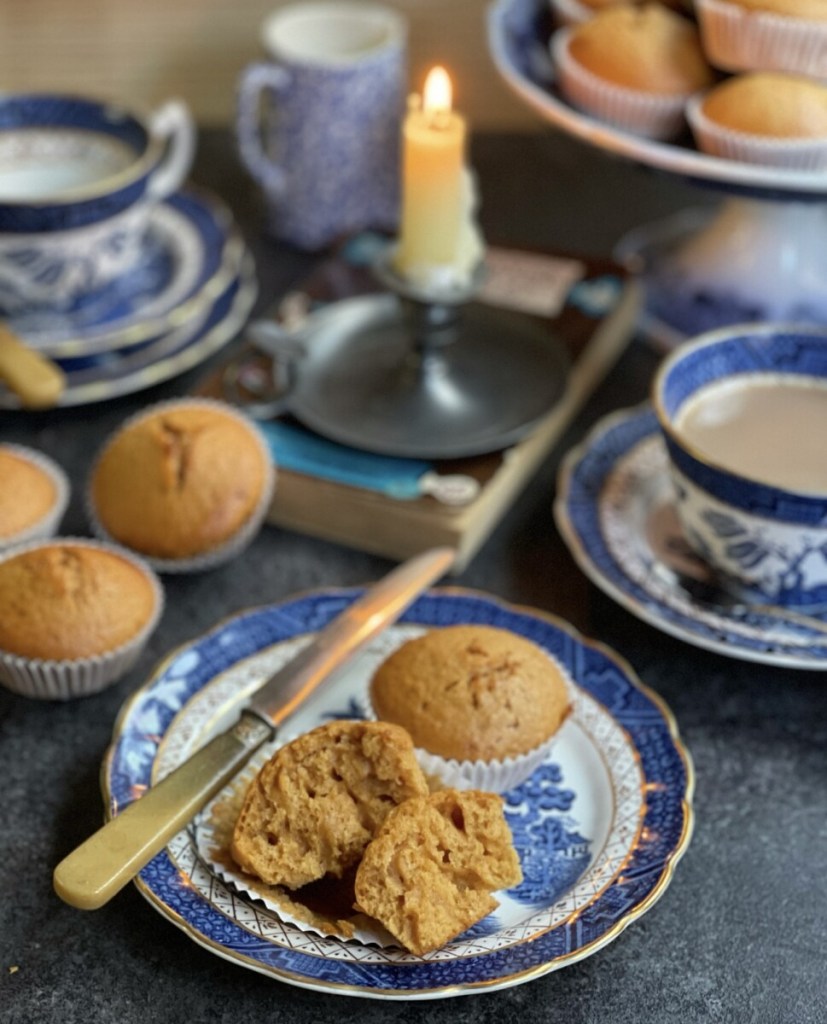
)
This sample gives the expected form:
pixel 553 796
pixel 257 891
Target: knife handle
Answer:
pixel 100 867
pixel 34 378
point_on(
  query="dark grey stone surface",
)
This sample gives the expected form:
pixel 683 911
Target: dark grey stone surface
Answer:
pixel 739 936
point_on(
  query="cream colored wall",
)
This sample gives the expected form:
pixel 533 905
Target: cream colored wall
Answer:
pixel 142 51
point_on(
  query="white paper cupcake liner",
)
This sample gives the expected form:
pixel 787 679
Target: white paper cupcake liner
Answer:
pixel 239 540
pixel 48 524
pixel 649 115
pixel 716 140
pixel 737 39
pixel 63 680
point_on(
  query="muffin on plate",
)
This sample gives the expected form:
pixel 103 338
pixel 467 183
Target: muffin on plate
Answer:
pixel 316 804
pixel 633 67
pixel 765 35
pixel 34 492
pixel 431 870
pixel 74 616
pixel 481 704
pixel 186 484
pixel 769 118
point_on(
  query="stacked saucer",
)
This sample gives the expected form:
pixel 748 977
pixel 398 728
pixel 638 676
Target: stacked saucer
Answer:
pixel 188 295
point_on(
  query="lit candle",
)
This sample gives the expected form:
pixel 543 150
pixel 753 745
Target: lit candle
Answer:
pixel 439 243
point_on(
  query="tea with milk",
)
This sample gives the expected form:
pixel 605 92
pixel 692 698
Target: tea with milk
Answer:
pixel 769 429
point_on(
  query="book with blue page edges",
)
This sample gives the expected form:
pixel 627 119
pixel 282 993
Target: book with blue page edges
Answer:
pixel 396 507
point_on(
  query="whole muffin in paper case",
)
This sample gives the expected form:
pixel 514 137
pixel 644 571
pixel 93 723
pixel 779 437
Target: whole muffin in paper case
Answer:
pixel 185 483
pixel 481 704
pixel 74 616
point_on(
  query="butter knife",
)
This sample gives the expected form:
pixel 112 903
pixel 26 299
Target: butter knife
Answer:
pixel 102 865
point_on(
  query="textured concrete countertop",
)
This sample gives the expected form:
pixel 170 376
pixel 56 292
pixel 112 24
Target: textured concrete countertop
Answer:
pixel 740 935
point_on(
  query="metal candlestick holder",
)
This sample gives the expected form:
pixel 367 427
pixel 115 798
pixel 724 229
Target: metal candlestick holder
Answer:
pixel 422 373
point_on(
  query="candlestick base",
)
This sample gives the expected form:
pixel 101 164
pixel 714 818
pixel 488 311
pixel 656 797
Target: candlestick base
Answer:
pixel 405 375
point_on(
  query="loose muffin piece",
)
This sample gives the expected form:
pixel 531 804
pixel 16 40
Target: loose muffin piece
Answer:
pixel 317 803
pixel 430 872
pixel 478 697
pixel 182 481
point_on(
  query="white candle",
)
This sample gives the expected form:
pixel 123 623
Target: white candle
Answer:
pixel 438 240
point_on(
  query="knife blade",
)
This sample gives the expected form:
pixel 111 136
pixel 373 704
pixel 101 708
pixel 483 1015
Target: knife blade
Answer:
pixel 102 865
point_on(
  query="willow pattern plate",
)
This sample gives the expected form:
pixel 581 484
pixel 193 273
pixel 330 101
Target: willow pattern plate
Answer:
pixel 599 826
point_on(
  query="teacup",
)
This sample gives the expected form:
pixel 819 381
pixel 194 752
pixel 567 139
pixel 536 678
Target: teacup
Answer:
pixel 743 412
pixel 324 146
pixel 78 178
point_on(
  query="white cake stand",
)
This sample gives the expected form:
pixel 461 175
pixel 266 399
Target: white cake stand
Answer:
pixel 760 255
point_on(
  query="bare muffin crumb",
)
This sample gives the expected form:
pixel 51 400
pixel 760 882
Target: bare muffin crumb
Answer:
pixel 317 803
pixel 430 872
pixel 471 693
pixel 63 602
pixel 27 493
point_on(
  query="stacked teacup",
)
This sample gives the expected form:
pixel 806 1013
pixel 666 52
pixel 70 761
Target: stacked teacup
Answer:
pixel 78 178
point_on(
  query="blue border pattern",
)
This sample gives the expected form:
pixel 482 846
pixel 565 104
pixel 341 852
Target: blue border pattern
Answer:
pixel 667 817
pixel 580 503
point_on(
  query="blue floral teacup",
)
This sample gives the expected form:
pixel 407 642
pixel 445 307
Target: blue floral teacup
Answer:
pixel 78 177
pixel 743 412
pixel 324 144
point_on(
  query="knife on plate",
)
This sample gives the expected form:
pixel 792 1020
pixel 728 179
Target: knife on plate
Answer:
pixel 102 865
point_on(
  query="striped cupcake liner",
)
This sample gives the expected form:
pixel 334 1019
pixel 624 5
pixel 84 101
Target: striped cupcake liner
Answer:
pixel 737 39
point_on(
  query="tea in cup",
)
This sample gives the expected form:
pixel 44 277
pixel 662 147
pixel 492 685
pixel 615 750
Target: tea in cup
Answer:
pixel 78 178
pixel 318 123
pixel 743 412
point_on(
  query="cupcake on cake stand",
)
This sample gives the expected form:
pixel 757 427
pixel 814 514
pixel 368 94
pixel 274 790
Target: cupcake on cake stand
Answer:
pixel 761 255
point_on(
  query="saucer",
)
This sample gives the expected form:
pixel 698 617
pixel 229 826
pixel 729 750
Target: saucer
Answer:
pixel 112 374
pixel 614 510
pixel 599 826
pixel 193 251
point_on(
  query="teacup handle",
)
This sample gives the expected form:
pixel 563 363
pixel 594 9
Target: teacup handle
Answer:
pixel 254 80
pixel 173 124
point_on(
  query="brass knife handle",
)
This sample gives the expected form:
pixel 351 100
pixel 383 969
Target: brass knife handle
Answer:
pixel 100 867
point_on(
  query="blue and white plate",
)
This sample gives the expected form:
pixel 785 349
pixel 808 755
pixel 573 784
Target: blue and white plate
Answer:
pixel 599 826
pixel 193 251
pixel 614 510
pixel 111 374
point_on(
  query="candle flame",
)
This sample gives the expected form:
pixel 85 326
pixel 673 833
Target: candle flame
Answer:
pixel 437 93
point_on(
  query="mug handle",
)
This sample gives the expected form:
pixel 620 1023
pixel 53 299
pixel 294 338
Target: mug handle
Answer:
pixel 173 124
pixel 254 80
